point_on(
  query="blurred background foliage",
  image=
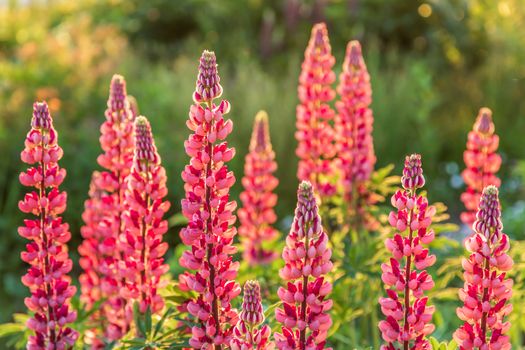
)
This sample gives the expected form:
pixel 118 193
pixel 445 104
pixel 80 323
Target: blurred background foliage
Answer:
pixel 433 64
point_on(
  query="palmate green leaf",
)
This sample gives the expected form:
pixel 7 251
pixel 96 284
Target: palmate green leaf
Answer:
pixel 436 345
pixel 15 333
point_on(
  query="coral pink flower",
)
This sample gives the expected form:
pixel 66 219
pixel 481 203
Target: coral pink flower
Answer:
pixel 482 163
pixel 47 252
pixel 145 226
pixel 353 127
pixel 315 134
pixel 248 335
pixel 210 213
pixel 116 140
pixel 304 316
pixel 257 214
pixel 407 312
pixel 486 291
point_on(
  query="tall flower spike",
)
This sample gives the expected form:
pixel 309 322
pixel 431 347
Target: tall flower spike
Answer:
pixel 407 312
pixel 247 333
pixel 487 290
pixel 145 226
pixel 353 128
pixel 304 316
pixel 90 257
pixel 116 140
pixel 257 214
pixel 47 252
pixel 210 213
pixel 315 134
pixel 482 163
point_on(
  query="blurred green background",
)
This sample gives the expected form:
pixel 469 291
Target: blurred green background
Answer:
pixel 433 64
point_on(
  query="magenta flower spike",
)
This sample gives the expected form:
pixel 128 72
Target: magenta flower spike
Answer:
pixel 487 291
pixel 482 163
pixel 408 315
pixel 248 333
pixel 315 134
pixel 304 317
pixel 144 249
pixel 116 140
pixel 47 252
pixel 353 128
pixel 257 214
pixel 210 213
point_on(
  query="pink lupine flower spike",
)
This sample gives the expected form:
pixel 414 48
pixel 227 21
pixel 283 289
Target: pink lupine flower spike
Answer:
pixel 248 333
pixel 353 129
pixel 101 251
pixel 257 214
pixel 482 163
pixel 145 226
pixel 304 317
pixel 47 252
pixel 407 312
pixel 487 291
pixel 315 134
pixel 210 213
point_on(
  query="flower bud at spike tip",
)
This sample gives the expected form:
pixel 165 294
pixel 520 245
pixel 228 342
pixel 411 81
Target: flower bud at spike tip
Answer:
pixel 41 117
pixel 47 253
pixel 406 309
pixel 413 178
pixel 315 134
pixel 486 291
pixel 207 86
pixel 305 314
pixel 118 104
pixel 482 163
pixel 257 214
pixel 260 140
pixel 145 149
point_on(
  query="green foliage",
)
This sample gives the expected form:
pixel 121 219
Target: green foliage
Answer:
pixel 436 345
pixel 16 333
